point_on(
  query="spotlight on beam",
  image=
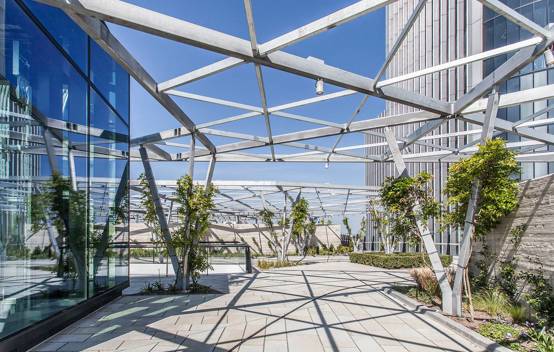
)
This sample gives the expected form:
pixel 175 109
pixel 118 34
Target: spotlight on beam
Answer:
pixel 549 56
pixel 319 87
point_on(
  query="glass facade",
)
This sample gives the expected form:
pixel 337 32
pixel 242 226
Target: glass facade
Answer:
pixel 64 166
pixel 498 32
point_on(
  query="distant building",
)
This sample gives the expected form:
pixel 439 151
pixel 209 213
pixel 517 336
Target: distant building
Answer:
pixel 444 31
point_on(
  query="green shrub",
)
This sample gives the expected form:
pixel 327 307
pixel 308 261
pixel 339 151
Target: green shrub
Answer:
pixel 504 334
pixel 269 264
pixel 544 340
pixel 493 301
pixel 518 313
pixel 395 260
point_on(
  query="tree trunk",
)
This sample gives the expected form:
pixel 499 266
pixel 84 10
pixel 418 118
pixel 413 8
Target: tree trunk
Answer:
pixel 465 249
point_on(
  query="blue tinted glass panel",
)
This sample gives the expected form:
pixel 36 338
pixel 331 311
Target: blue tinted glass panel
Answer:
pixel 110 79
pixel 39 73
pixel 64 30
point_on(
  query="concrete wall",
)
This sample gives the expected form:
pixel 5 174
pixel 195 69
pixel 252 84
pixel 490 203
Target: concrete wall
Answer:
pixel 254 235
pixel 536 210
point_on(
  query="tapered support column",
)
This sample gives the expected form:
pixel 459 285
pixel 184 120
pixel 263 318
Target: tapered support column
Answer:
pixel 72 172
pixel 469 225
pixel 424 232
pixel 166 235
pixel 50 151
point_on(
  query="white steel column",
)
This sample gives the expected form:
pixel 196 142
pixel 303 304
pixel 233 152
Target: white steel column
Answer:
pixel 424 232
pixel 469 226
pixel 166 235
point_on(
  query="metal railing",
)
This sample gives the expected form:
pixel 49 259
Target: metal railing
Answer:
pixel 219 253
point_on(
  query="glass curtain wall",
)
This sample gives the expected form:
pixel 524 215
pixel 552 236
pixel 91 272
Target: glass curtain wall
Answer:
pixel 498 32
pixel 64 166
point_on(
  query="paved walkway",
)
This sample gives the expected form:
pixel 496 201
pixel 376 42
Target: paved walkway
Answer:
pixel 319 307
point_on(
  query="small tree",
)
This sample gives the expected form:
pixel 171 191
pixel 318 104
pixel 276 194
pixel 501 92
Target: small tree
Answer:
pixel 389 240
pixel 195 204
pixel 273 240
pixel 296 226
pixel 410 206
pixel 493 194
pixel 409 200
pixel 495 167
pixel 360 235
pixel 58 203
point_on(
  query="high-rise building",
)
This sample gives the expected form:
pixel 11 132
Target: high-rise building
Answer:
pixel 444 31
pixel 64 172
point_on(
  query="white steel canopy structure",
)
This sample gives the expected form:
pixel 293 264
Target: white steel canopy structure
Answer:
pixel 477 106
pixel 246 199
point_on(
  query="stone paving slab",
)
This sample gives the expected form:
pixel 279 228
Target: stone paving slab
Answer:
pixel 317 307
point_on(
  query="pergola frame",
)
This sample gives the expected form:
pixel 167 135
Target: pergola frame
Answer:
pixel 89 14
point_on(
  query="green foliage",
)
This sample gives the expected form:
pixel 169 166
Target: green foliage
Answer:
pixel 147 203
pixel 396 260
pixel 196 204
pixel 363 229
pixel 539 295
pixel 267 217
pixel 518 313
pixel 400 197
pixel 543 340
pixel 198 263
pixel 504 334
pixel 494 166
pixel 493 301
pixel 299 215
pixel 347 225
pixel 272 264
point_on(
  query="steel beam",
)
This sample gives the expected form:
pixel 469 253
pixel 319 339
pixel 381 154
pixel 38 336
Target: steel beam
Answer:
pixel 166 235
pixel 172 28
pixel 516 17
pixel 102 35
pixel 519 60
pixel 200 73
pixel 210 172
pixel 398 42
pixel 191 158
pixel 395 152
pixel 459 62
pixel 490 116
pixel 354 114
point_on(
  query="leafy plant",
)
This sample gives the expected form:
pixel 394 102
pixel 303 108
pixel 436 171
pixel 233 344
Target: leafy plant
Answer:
pixel 57 202
pixel 544 341
pixel 539 295
pixel 504 334
pixel 400 197
pixel 195 206
pixel 493 301
pixel 395 260
pixel 518 313
pixel 495 167
pixel 271 264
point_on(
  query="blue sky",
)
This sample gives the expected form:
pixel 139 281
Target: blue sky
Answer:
pixel 357 46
